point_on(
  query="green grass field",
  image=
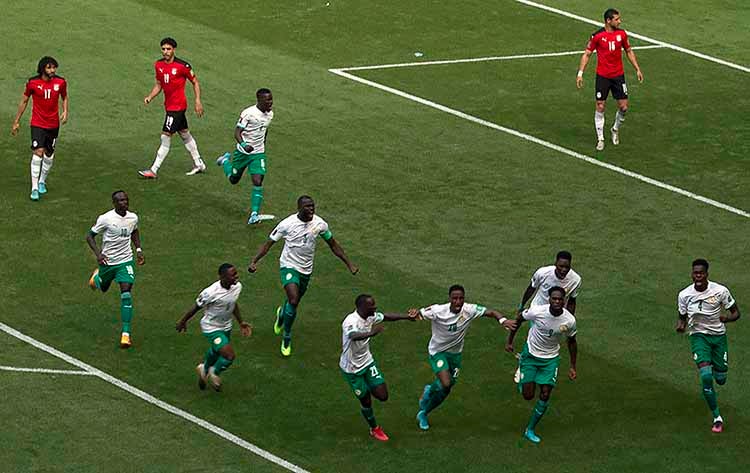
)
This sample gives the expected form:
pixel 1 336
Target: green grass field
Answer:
pixel 420 199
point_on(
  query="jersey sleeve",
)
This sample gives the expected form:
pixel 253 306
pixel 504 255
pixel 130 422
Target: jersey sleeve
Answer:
pixel 378 318
pixel 536 278
pixel 203 298
pixel 727 301
pixel 682 304
pixel 243 121
pixel 157 75
pixel 528 315
pixel 574 292
pixel 428 312
pixel 28 89
pixel 625 42
pixel 476 310
pixel 591 46
pixel 279 232
pixel 100 225
pixel 137 221
pixel 189 72
pixel 325 232
pixel 64 89
pixel 572 330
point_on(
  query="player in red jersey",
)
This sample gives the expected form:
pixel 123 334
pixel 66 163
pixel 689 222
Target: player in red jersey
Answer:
pixel 608 42
pixel 46 89
pixel 171 74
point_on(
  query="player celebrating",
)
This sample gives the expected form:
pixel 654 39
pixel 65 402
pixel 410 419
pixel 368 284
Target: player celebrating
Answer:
pixel 450 322
pixel 608 42
pixel 46 89
pixel 356 362
pixel 171 74
pixel 541 354
pixel 219 301
pixel 699 308
pixel 299 232
pixel 560 274
pixel 251 133
pixel 118 227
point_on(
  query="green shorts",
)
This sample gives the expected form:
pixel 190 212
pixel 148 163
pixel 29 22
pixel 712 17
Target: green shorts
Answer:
pixel 123 272
pixel 255 163
pixel 218 339
pixel 364 381
pixel 710 349
pixel 289 276
pixel 538 370
pixel 446 361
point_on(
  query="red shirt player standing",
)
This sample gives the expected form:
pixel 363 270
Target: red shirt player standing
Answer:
pixel 608 42
pixel 171 75
pixel 46 89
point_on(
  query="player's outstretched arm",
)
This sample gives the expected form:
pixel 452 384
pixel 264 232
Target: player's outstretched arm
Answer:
pixel 681 323
pixel 501 319
pixel 154 92
pixel 339 252
pixel 21 108
pixel 411 316
pixel 573 350
pixel 512 334
pixel 91 240
pixel 135 237
pixel 181 325
pixel 262 251
pixel 631 57
pixel 363 335
pixel 734 315
pixel 582 67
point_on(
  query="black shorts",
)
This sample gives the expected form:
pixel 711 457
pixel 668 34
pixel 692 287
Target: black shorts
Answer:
pixel 616 84
pixel 44 138
pixel 175 121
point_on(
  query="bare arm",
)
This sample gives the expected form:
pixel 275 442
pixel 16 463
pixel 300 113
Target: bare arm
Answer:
pixel 135 237
pixel 339 252
pixel 181 325
pixel 238 139
pixel 245 328
pixel 197 91
pixel 631 57
pixel 154 92
pixel 573 350
pixel 571 306
pixel 21 108
pixel 395 317
pixel 64 116
pixel 681 323
pixel 262 251
pixel 582 67
pixel 512 334
pixel 91 240
pixel 525 298
pixel 501 319
pixel 734 314
pixel 361 336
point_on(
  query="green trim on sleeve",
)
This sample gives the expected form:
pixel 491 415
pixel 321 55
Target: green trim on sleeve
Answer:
pixel 327 235
pixel 92 233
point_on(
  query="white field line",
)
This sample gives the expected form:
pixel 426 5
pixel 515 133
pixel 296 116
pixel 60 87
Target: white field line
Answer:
pixel 44 370
pixel 476 59
pixel 153 400
pixel 544 143
pixel 639 36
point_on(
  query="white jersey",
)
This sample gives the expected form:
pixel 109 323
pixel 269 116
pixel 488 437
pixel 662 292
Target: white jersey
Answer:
pixel 545 278
pixel 254 124
pixel 116 231
pixel 218 306
pixel 299 241
pixel 449 329
pixel 704 308
pixel 547 330
pixel 355 354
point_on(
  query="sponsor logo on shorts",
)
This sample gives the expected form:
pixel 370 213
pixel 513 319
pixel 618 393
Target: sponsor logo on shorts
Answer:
pixel 357 392
pixel 35 143
pixel 288 276
pixel 440 363
pixel 598 95
pixel 217 340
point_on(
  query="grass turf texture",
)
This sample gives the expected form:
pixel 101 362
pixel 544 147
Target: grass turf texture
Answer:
pixel 419 200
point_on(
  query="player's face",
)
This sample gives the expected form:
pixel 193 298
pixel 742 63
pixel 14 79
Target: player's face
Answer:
pixel 562 268
pixel 700 277
pixel 231 276
pixel 121 202
pixel 167 51
pixel 50 70
pixel 457 301
pixel 615 21
pixel 306 210
pixel 370 307
pixel 556 301
pixel 265 103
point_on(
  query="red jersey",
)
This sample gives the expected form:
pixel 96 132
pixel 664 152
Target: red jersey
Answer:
pixel 171 76
pixel 608 46
pixel 45 97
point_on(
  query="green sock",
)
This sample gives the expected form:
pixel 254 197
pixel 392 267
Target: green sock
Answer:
pixel 437 395
pixel 536 415
pixel 227 166
pixel 708 390
pixel 256 199
pixel 126 310
pixel 720 377
pixel 369 416
pixel 209 359
pixel 290 312
pixel 222 364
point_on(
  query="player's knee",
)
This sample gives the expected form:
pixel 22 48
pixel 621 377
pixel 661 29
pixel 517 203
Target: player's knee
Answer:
pixel 720 377
pixel 600 106
pixel 381 395
pixel 234 179
pixel 185 135
pixel 257 180
pixel 528 395
pixel 544 396
pixel 623 109
pixel 39 152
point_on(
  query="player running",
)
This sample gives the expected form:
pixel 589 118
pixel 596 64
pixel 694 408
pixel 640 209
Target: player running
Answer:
pixel 540 358
pixel 699 312
pixel 118 227
pixel 608 42
pixel 299 231
pixel 219 302
pixel 46 89
pixel 251 133
pixel 171 74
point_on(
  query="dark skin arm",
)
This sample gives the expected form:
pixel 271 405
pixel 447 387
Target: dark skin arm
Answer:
pixel 681 323
pixel 526 296
pixel 571 306
pixel 512 334
pixel 262 251
pixel 100 258
pixel 573 350
pixel 245 328
pixel 379 327
pixel 507 323
pixel 238 138
pixel 339 252
pixel 734 315
pixel 135 237
pixel 181 325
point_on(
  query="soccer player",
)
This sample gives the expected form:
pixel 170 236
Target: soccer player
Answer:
pixel 450 322
pixel 608 42
pixel 299 231
pixel 699 312
pixel 560 274
pixel 356 362
pixel 541 354
pixel 118 227
pixel 251 133
pixel 46 89
pixel 219 303
pixel 171 74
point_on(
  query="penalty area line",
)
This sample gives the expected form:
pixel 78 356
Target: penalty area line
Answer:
pixel 153 400
pixel 546 144
pixel 44 370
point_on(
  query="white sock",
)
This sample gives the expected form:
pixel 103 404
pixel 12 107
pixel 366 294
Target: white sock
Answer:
pixel 47 163
pixel 619 118
pixel 36 169
pixel 161 153
pixel 599 123
pixel 192 147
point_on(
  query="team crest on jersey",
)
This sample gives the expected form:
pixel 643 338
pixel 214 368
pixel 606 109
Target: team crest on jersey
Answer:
pixel 56 87
pixel 174 70
pixel 618 38
pixel 563 328
pixel 712 300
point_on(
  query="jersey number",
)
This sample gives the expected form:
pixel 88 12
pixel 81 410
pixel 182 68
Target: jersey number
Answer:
pixel 130 270
pixel 612 46
pixel 166 78
pixel 453 328
pixel 123 232
pixel 47 93
pixel 374 371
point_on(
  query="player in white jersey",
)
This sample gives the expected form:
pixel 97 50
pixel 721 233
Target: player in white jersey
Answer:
pixel 540 358
pixel 219 304
pixel 699 308
pixel 119 228
pixel 251 133
pixel 560 274
pixel 357 364
pixel 299 231
pixel 450 322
